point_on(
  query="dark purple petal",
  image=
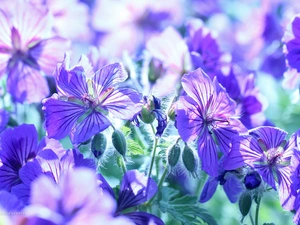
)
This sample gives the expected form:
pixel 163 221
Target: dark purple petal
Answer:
pixel 232 187
pixel 26 83
pixel 296 27
pixel 207 151
pixel 94 123
pixel 143 218
pixel 209 189
pixel 251 104
pixel 4 118
pixel 135 189
pixel 18 145
pixel 8 178
pixel 272 137
pixel 189 120
pixel 123 103
pixel 9 202
pixel 60 117
pixel 108 76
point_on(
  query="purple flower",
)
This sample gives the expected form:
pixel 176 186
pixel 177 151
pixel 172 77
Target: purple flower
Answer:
pixel 18 146
pixel 135 189
pixel 206 112
pixel 4 118
pixel 84 99
pixel 49 163
pixel 267 151
pixel 76 199
pixel 27 51
pixel 9 202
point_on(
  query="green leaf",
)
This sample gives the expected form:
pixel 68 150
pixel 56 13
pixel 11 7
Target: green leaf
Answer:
pixel 185 209
pixel 134 148
pixel 126 131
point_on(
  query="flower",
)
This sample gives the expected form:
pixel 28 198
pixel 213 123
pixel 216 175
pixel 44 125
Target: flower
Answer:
pixel 206 112
pixel 267 152
pixel 18 146
pixel 28 51
pixel 75 200
pixel 135 189
pixel 85 98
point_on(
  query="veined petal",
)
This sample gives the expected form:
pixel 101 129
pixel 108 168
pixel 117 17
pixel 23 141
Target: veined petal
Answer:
pixel 199 87
pixel 271 136
pixel 73 159
pixel 290 147
pixel 123 103
pixel 245 150
pixel 108 76
pixel 71 83
pixel 142 218
pixel 18 145
pixel 5 32
pixel 49 52
pixel 49 163
pixel 8 178
pixel 286 197
pixel 189 119
pixel 4 58
pixel 266 172
pixel 60 116
pixel 207 151
pixel 26 83
pixel 94 123
pixel 232 187
pixel 136 188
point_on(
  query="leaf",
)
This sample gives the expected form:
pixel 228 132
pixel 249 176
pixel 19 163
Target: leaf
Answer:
pixel 185 209
pixel 126 131
pixel 245 204
pixel 134 148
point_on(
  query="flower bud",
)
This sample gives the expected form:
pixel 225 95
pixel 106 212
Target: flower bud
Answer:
pixel 119 142
pixel 98 145
pixel 146 114
pixel 189 160
pixel 252 180
pixel 173 154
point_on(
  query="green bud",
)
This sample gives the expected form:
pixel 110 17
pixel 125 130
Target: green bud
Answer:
pixel 98 145
pixel 173 154
pixel 171 112
pixel 119 142
pixel 146 115
pixel 245 202
pixel 189 160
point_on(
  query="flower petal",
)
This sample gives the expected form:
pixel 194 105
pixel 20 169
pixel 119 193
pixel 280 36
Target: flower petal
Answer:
pixel 123 103
pixel 207 151
pixel 142 218
pixel 189 119
pixel 108 76
pixel 43 53
pixel 94 123
pixel 136 188
pixel 209 189
pixel 60 116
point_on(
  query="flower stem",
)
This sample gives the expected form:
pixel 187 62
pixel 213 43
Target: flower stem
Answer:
pixel 153 156
pixel 257 210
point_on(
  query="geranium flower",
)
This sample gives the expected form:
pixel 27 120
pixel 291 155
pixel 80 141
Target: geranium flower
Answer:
pixel 267 152
pixel 206 112
pixel 85 98
pixel 28 51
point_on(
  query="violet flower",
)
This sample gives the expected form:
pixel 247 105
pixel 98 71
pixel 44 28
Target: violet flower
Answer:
pixel 206 112
pixel 267 152
pixel 27 51
pixel 135 189
pixel 18 146
pixel 80 108
pixel 75 200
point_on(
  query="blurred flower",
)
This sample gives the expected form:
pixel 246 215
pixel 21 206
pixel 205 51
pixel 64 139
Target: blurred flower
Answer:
pixel 75 200
pixel 85 98
pixel 28 51
pixel 267 151
pixel 4 119
pixel 206 112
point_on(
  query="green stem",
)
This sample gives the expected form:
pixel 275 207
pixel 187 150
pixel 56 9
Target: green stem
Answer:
pixel 257 210
pixel 122 164
pixel 153 156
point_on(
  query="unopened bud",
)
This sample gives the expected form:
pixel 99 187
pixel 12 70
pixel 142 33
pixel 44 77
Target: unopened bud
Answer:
pixel 119 142
pixel 98 145
pixel 252 180
pixel 189 160
pixel 173 154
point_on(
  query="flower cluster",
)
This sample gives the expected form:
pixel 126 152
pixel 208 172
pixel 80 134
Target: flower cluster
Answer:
pixel 117 111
